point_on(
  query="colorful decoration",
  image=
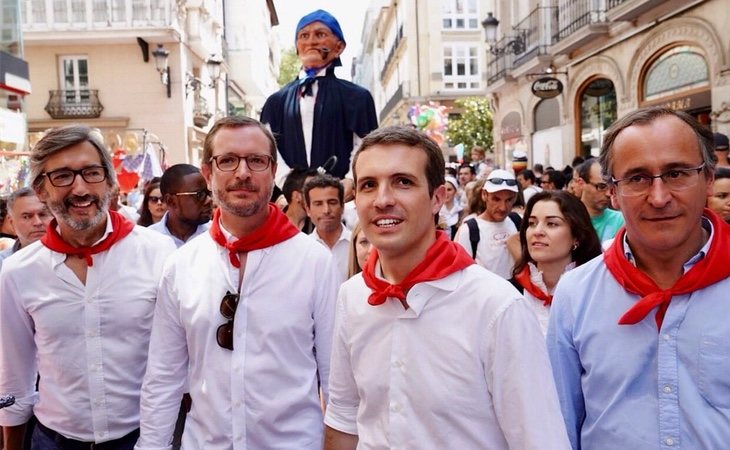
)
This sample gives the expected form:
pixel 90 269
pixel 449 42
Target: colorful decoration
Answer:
pixel 431 119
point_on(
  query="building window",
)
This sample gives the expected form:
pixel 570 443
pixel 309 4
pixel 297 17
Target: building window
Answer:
pixel 677 70
pixel 74 77
pixel 460 15
pixel 461 67
pixel 597 112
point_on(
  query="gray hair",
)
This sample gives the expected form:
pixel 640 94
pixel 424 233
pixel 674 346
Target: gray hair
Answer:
pixel 20 193
pixel 58 139
pixel 645 116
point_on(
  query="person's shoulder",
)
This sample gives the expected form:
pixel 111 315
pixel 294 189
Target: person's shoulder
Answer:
pixel 583 277
pixel 304 245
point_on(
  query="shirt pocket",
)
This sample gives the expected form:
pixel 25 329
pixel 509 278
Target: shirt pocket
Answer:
pixel 714 367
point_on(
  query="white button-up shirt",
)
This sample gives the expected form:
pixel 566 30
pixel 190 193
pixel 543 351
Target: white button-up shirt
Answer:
pixel 340 251
pixel 161 227
pixel 87 342
pixel 465 367
pixel 264 393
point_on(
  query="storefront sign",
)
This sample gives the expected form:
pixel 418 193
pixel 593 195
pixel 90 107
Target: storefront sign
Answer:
pixel 547 87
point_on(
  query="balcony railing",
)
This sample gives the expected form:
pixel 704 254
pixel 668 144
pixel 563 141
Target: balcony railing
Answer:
pixel 391 53
pixel 613 3
pixel 576 14
pixel 501 61
pixel 99 14
pixel 75 104
pixel 538 31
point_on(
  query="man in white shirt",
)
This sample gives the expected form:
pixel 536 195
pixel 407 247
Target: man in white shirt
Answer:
pixel 324 200
pixel 431 351
pixel 244 314
pixel 189 204
pixel 77 310
pixel 494 225
pixel 29 217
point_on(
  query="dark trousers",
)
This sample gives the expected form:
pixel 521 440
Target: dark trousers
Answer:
pixel 47 439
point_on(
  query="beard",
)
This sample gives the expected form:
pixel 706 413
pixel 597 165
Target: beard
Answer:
pixel 238 208
pixel 60 210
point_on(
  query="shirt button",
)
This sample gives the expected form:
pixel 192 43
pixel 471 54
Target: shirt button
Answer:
pixel 395 407
pixel 667 388
pixel 667 337
pixel 669 441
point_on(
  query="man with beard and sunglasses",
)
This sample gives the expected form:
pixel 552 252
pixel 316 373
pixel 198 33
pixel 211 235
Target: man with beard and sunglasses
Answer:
pixel 244 314
pixel 77 310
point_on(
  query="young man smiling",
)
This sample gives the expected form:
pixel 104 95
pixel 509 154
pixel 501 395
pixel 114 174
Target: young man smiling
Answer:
pixel 431 351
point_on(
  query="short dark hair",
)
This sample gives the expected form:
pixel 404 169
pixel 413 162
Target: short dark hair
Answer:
pixel 645 116
pixel 400 135
pixel 468 166
pixel 528 175
pixel 584 169
pixel 170 181
pixel 578 219
pixel 20 193
pixel 236 122
pixel 294 181
pixel 324 181
pixel 556 177
pixel 722 172
pixel 537 167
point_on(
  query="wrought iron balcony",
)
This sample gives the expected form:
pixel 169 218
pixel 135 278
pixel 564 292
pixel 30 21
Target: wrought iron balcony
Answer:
pixel 539 28
pixel 498 67
pixel 579 23
pixel 631 9
pixel 74 104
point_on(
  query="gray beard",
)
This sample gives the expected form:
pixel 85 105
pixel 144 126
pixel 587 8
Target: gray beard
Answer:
pixel 60 211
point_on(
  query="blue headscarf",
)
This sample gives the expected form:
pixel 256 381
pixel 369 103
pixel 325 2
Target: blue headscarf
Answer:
pixel 326 18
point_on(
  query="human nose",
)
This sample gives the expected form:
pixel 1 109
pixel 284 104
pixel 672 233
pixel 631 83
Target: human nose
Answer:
pixel 659 194
pixel 383 197
pixel 242 169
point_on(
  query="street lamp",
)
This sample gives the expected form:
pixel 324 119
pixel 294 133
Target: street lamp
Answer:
pixel 161 62
pixel 213 65
pixel 516 45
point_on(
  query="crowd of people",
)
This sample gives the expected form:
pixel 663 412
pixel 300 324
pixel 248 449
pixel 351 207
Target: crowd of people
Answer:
pixel 385 300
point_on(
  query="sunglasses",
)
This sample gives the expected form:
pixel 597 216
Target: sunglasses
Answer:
pixel 224 335
pixel 506 181
pixel 154 199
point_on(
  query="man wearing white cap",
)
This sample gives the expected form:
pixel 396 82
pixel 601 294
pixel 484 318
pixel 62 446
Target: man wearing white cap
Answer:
pixel 486 238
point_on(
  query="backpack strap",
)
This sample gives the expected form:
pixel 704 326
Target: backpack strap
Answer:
pixel 517 285
pixel 473 236
pixel 516 219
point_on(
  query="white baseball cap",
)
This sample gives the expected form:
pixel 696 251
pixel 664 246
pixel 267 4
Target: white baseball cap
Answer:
pixel 500 180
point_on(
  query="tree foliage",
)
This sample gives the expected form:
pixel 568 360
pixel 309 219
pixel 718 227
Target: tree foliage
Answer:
pixel 289 67
pixel 474 126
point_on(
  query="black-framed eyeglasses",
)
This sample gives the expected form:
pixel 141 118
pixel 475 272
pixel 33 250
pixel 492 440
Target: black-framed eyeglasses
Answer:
pixel 230 162
pixel 154 199
pixel 674 179
pixel 224 335
pixel 507 181
pixel 199 196
pixel 599 186
pixel 66 177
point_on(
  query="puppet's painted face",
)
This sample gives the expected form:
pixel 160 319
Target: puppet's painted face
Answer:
pixel 317 46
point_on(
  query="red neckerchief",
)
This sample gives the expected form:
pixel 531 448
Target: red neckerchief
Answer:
pixel 526 282
pixel 442 259
pixel 714 267
pixel 277 228
pixel 120 228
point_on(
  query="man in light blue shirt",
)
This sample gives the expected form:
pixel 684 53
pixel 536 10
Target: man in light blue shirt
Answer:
pixel 189 204
pixel 638 336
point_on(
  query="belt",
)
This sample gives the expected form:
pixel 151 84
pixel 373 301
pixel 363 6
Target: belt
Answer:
pixel 65 443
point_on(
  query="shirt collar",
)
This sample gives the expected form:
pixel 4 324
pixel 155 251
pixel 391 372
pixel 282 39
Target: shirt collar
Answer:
pixel 706 224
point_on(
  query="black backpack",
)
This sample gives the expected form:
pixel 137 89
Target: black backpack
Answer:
pixel 474 231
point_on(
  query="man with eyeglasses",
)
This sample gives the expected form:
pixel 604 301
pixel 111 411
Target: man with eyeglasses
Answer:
pixel 638 338
pixel 596 197
pixel 189 204
pixel 494 226
pixel 77 310
pixel 244 314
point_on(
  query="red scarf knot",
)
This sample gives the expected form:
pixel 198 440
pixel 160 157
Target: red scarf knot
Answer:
pixel 526 282
pixel 277 228
pixel 714 267
pixel 442 259
pixel 121 227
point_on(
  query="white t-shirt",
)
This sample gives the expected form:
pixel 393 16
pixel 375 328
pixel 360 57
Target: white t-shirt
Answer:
pixel 492 250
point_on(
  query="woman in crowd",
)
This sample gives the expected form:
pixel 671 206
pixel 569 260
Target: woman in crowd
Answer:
pixel 450 213
pixel 556 235
pixel 719 201
pixel 359 249
pixel 153 207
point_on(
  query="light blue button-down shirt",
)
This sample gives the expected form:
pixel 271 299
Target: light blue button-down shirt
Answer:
pixel 629 386
pixel 161 227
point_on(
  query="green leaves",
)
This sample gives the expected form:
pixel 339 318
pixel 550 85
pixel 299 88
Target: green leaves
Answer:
pixel 473 125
